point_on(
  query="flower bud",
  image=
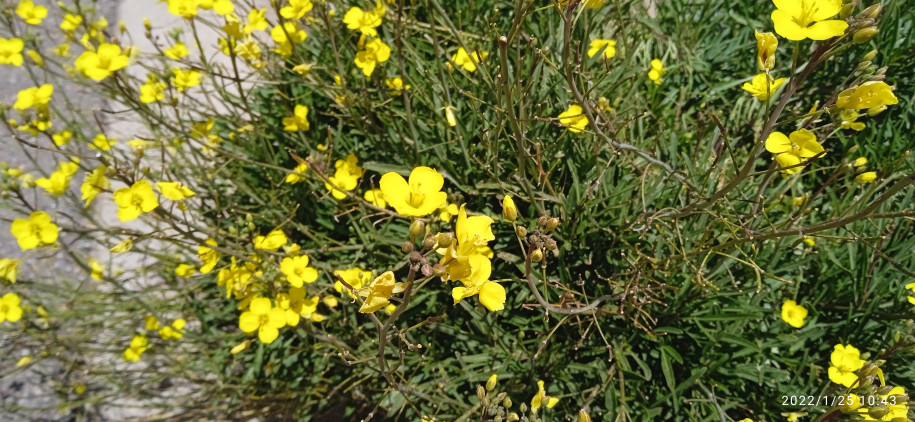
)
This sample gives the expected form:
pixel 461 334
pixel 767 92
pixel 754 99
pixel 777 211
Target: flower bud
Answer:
pixel 864 35
pixel 866 177
pixel 878 412
pixel 583 416
pixel 552 223
pixel 876 110
pixel 860 161
pixel 862 66
pixel 481 393
pixel 541 221
pixel 550 244
pixel 869 56
pixel 417 228
pixel 871 12
pixel 449 116
pixel 147 24
pixel 509 210
pixel 426 269
pixel 429 242
pixel 883 390
pixel 507 403
pixel 512 417
pixel 491 382
pixel 521 231
pixel 438 270
pixel 846 11
pixel 444 240
pixel 406 246
pixel 537 255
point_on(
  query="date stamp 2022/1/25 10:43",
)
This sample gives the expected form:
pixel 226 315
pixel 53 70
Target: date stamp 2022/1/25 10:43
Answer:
pixel 840 400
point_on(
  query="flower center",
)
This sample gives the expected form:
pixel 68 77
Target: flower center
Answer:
pixel 416 199
pixel 263 319
pixel 137 201
pixel 807 12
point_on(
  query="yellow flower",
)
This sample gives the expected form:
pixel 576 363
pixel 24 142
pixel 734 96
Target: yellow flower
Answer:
pixel 36 231
pixel 302 69
pixel 62 138
pixel 286 35
pixel 37 97
pixel 177 51
pixel 185 8
pixel 208 256
pixel 62 50
pixel 184 270
pixel 896 409
pixel 589 4
pixel 793 314
pixel 492 294
pixel 801 19
pixel 656 72
pixel 849 120
pixel 102 142
pixel 138 345
pixel 257 20
pixel 491 382
pixel 330 301
pixel 866 177
pixel 871 95
pixel 151 323
pixel 135 200
pixel 271 242
pixel 366 22
pixel 371 54
pixel 152 90
pixel 9 308
pixel 174 331
pixel 844 361
pixel 509 210
pixel 297 270
pixel 417 198
pixel 379 291
pixel 71 22
pixel 221 7
pixel 449 116
pixel 297 174
pixel 298 121
pixel 346 176
pixel 762 87
pixel 241 347
pixel 599 44
pixel 8 269
pixel 24 361
pixel 468 61
pixel 396 85
pixel 123 246
pixel 30 13
pixel 101 63
pixel 860 161
pixel 59 180
pixel 262 317
pixel 446 212
pixel 11 51
pixel 96 271
pixel 539 398
pixel 355 277
pixel 296 9
pixel 794 149
pixel 174 191
pixel 375 197
pixel 185 79
pixel 766 44
pixel 574 118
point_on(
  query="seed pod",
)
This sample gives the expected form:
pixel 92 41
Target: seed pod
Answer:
pixel 871 12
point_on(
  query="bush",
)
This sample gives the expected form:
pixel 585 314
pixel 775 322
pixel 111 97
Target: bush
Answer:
pixel 458 211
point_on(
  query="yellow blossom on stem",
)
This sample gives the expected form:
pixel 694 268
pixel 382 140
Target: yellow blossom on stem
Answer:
pixel 540 397
pixel 509 210
pixel 793 314
pixel 656 71
pixel 208 256
pixel 58 182
pixel 354 277
pixel 177 51
pixel 346 176
pixel 184 8
pixel 296 9
pixel 135 200
pixel 221 7
pixel 102 142
pixel 262 317
pixel 174 331
pixel 271 242
pixel 870 95
pixel 446 212
pixel 468 61
pixel 9 308
pixel 849 120
pixel 375 197
pixel 138 344
pixel 801 19
pixel 175 191
pixel 100 64
pixel 96 271
pixel 257 21
pixel 298 121
pixel 844 361
pixel 609 47
pixel 762 86
pixel 30 13
pixel 123 246
pixel 8 269
pixel 866 177
pixel 794 149
pixel 574 118
pixel 297 174
pixel 396 85
pixel 11 51
pixel 71 22
pixel 378 293
pixel 766 44
pixel 62 138
pixel 449 116
pixel 365 22
pixel 35 231
pixel 184 79
pixel 184 270
pixel 297 270
pixel 286 35
pixel 37 97
pixel 153 90
pixel 417 198
pixel 372 53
